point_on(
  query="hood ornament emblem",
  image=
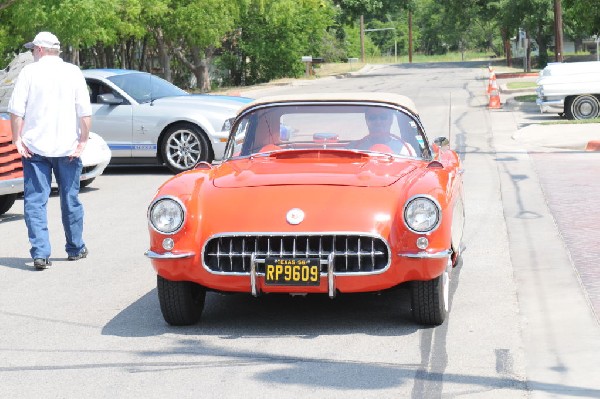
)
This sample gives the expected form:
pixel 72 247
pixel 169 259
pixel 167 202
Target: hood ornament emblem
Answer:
pixel 295 216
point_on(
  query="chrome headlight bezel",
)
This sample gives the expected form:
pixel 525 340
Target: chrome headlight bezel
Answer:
pixel 409 214
pixel 177 207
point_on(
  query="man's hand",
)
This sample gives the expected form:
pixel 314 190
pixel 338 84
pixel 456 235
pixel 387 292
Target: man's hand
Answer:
pixel 78 150
pixel 22 148
pixel 85 122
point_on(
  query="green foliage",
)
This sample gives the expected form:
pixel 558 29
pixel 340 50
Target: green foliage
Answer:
pixel 277 33
pixel 250 41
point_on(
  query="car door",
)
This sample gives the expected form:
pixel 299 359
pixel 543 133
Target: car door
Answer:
pixel 111 118
pixel 146 129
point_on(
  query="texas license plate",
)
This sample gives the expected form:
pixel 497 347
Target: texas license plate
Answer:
pixel 298 271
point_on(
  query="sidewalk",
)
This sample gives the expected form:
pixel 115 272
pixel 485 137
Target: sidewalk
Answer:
pixel 546 130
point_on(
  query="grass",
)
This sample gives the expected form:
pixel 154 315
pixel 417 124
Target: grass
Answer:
pixel 521 85
pixel 572 122
pixel 527 98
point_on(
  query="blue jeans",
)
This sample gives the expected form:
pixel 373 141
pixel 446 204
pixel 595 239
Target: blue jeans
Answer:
pixel 37 176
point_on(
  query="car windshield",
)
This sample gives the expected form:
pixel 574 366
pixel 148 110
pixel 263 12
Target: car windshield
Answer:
pixel 357 127
pixel 144 87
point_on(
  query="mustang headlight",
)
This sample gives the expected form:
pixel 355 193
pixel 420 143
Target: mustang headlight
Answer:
pixel 166 215
pixel 422 214
pixel 227 125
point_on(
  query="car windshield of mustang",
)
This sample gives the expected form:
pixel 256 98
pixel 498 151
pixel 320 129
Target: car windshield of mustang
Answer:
pixel 144 87
pixel 352 127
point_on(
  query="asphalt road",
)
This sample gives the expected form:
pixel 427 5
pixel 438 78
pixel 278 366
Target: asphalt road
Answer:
pixel 521 322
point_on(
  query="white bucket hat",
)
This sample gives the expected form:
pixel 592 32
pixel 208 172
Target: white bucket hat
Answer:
pixel 44 39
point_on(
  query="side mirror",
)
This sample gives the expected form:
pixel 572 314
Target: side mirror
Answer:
pixel 109 98
pixel 442 142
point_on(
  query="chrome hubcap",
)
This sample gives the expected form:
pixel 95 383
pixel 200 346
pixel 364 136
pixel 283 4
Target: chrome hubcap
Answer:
pixel 183 149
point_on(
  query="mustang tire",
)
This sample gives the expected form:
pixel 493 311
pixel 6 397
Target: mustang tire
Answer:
pixel 586 106
pixel 6 202
pixel 86 183
pixel 181 302
pixel 183 146
pixel 430 300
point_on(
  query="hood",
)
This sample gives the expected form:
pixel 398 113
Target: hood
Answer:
pixel 336 168
pixel 205 101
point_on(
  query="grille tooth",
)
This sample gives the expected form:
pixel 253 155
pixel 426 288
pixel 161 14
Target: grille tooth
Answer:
pixel 352 253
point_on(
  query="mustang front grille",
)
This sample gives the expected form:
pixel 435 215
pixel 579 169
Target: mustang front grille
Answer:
pixel 352 253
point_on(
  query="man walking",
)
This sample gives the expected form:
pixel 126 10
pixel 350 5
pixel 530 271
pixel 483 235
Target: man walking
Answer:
pixel 50 115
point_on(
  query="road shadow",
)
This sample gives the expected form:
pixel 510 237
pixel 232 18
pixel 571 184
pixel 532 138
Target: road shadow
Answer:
pixel 234 316
pixel 25 264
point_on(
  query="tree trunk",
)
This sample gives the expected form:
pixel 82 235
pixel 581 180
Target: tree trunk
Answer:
pixel 164 58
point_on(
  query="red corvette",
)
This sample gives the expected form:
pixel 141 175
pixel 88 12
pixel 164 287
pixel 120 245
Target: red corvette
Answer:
pixel 317 194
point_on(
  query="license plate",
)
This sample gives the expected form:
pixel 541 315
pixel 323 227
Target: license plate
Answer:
pixel 299 271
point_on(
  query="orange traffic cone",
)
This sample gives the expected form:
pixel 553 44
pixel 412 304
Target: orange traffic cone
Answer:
pixel 491 81
pixel 495 99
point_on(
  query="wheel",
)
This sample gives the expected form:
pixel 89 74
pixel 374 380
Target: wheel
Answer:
pixel 585 106
pixel 181 302
pixel 430 299
pixel 185 145
pixel 85 183
pixel 6 202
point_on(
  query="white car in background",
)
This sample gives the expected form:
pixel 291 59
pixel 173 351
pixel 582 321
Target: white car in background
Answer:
pixel 147 120
pixel 570 89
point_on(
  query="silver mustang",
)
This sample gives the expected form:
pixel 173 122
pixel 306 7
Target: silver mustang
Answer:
pixel 146 120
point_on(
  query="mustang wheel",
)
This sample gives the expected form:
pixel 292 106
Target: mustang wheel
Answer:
pixel 181 302
pixel 6 201
pixel 86 183
pixel 585 106
pixel 430 299
pixel 185 145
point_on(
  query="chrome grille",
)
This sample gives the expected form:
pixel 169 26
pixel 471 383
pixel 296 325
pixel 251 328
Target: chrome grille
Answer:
pixel 352 253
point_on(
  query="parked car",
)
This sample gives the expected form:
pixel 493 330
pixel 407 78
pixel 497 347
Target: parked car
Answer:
pixel 145 119
pixel 301 205
pixel 95 158
pixel 570 89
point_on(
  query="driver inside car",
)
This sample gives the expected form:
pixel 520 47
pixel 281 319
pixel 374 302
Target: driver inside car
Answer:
pixel 379 123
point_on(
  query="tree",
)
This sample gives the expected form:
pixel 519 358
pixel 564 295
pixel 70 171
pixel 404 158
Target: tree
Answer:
pixel 275 34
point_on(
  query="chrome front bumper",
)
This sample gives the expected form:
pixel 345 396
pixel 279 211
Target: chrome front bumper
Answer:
pixel 427 255
pixel 550 105
pixel 11 186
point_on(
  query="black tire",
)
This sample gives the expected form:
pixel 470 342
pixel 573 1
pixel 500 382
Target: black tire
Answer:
pixel 86 183
pixel 183 146
pixel 6 202
pixel 585 106
pixel 181 302
pixel 430 300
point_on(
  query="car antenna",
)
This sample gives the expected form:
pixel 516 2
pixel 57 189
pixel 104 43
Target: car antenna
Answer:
pixel 151 96
pixel 450 119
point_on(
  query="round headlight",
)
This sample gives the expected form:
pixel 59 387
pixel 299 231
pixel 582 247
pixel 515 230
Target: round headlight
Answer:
pixel 422 214
pixel 166 215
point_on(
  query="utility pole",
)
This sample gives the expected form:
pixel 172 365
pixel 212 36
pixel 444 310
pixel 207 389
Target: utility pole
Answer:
pixel 558 32
pixel 362 38
pixel 410 48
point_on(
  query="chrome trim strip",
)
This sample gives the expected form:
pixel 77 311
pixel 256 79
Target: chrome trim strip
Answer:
pixel 330 276
pixel 169 255
pixel 253 275
pixel 427 255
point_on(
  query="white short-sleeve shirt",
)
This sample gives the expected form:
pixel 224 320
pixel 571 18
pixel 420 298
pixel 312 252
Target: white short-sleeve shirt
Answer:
pixel 51 95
